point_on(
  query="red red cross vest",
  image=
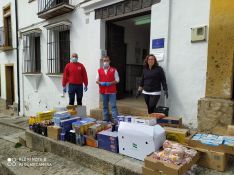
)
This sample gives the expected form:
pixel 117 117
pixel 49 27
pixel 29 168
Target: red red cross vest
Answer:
pixel 109 77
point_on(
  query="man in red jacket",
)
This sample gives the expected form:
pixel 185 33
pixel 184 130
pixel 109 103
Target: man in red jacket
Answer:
pixel 107 78
pixel 75 76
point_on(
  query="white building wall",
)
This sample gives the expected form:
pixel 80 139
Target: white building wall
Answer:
pixel 85 37
pixel 8 57
pixel 184 62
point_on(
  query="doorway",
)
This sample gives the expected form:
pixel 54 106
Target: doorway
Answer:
pixel 128 42
pixel 10 94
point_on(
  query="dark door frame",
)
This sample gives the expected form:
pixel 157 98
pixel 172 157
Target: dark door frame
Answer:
pixel 121 18
pixel 11 93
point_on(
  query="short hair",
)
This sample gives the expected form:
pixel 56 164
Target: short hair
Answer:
pixel 106 56
pixel 75 54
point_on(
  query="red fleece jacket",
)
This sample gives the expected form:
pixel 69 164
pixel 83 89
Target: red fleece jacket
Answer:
pixel 75 73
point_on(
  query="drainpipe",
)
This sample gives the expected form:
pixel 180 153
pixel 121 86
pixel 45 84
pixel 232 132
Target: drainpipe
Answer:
pixel 17 54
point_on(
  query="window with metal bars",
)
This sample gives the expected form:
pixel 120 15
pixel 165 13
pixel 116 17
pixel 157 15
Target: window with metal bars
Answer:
pixel 32 53
pixel 58 48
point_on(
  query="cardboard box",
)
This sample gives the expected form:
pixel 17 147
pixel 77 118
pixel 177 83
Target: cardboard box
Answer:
pixel 81 127
pixel 54 132
pixel 151 121
pixel 80 140
pixel 108 141
pixel 59 116
pixel 148 171
pixel 138 141
pixel 213 160
pixel 170 122
pixel 230 130
pixel 46 115
pixel 157 115
pixel 167 168
pixel 91 142
pixel 66 125
pixel 197 144
pixel 176 134
pixel 94 129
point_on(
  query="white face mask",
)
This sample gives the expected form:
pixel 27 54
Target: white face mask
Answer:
pixel 74 60
pixel 106 64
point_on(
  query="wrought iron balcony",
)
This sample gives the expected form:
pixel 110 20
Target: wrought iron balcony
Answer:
pixel 52 8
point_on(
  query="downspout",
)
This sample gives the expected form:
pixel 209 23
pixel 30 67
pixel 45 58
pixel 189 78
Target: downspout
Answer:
pixel 17 54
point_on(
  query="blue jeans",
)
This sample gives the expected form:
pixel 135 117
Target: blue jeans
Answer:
pixel 106 98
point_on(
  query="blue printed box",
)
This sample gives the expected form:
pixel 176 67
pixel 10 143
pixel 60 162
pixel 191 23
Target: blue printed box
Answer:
pixel 108 141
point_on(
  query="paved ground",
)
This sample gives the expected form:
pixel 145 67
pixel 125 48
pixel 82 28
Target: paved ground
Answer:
pixel 52 164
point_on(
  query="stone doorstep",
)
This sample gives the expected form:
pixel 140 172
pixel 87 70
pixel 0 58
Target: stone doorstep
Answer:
pixel 97 159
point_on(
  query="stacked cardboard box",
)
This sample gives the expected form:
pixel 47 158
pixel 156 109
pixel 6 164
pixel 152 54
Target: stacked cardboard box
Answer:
pixel 176 134
pixel 46 115
pixel 170 122
pixel 91 142
pixel 108 140
pixel 158 167
pixel 213 159
pixel 54 132
pixel 223 144
pixel 230 130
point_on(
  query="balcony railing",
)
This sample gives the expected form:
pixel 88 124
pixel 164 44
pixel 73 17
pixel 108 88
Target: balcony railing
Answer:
pixel 51 8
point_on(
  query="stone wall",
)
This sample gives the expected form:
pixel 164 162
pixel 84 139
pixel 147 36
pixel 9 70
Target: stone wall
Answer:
pixel 214 115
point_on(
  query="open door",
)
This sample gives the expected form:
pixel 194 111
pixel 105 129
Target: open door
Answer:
pixel 10 95
pixel 116 49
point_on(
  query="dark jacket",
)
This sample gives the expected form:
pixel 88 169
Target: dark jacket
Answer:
pixel 153 79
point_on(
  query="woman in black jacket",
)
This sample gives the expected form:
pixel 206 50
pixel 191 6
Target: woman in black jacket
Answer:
pixel 152 78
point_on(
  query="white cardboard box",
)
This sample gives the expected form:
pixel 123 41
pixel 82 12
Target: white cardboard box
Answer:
pixel 138 141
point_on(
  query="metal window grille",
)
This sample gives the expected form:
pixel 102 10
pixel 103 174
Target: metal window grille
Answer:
pixel 1 36
pixel 32 55
pixel 44 5
pixel 58 48
pixel 8 31
pixel 6 35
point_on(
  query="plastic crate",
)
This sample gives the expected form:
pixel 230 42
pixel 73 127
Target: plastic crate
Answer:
pixel 162 109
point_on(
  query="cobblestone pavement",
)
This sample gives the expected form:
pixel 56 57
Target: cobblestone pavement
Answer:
pixel 55 164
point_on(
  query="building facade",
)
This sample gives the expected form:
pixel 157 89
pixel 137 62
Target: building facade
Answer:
pixel 182 34
pixel 8 58
pixel 49 31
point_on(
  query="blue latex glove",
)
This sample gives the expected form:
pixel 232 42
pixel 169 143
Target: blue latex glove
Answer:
pixel 103 83
pixel 64 89
pixel 108 83
pixel 85 88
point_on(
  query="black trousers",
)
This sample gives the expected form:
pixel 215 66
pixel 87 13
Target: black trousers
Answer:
pixel 151 102
pixel 75 89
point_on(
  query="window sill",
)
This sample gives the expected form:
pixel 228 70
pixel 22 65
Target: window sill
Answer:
pixel 32 74
pixel 6 48
pixel 55 75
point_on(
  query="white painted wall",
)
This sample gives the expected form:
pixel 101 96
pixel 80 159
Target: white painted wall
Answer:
pixel 85 40
pixel 185 62
pixel 8 57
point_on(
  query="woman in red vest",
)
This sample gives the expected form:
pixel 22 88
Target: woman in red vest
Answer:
pixel 107 78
